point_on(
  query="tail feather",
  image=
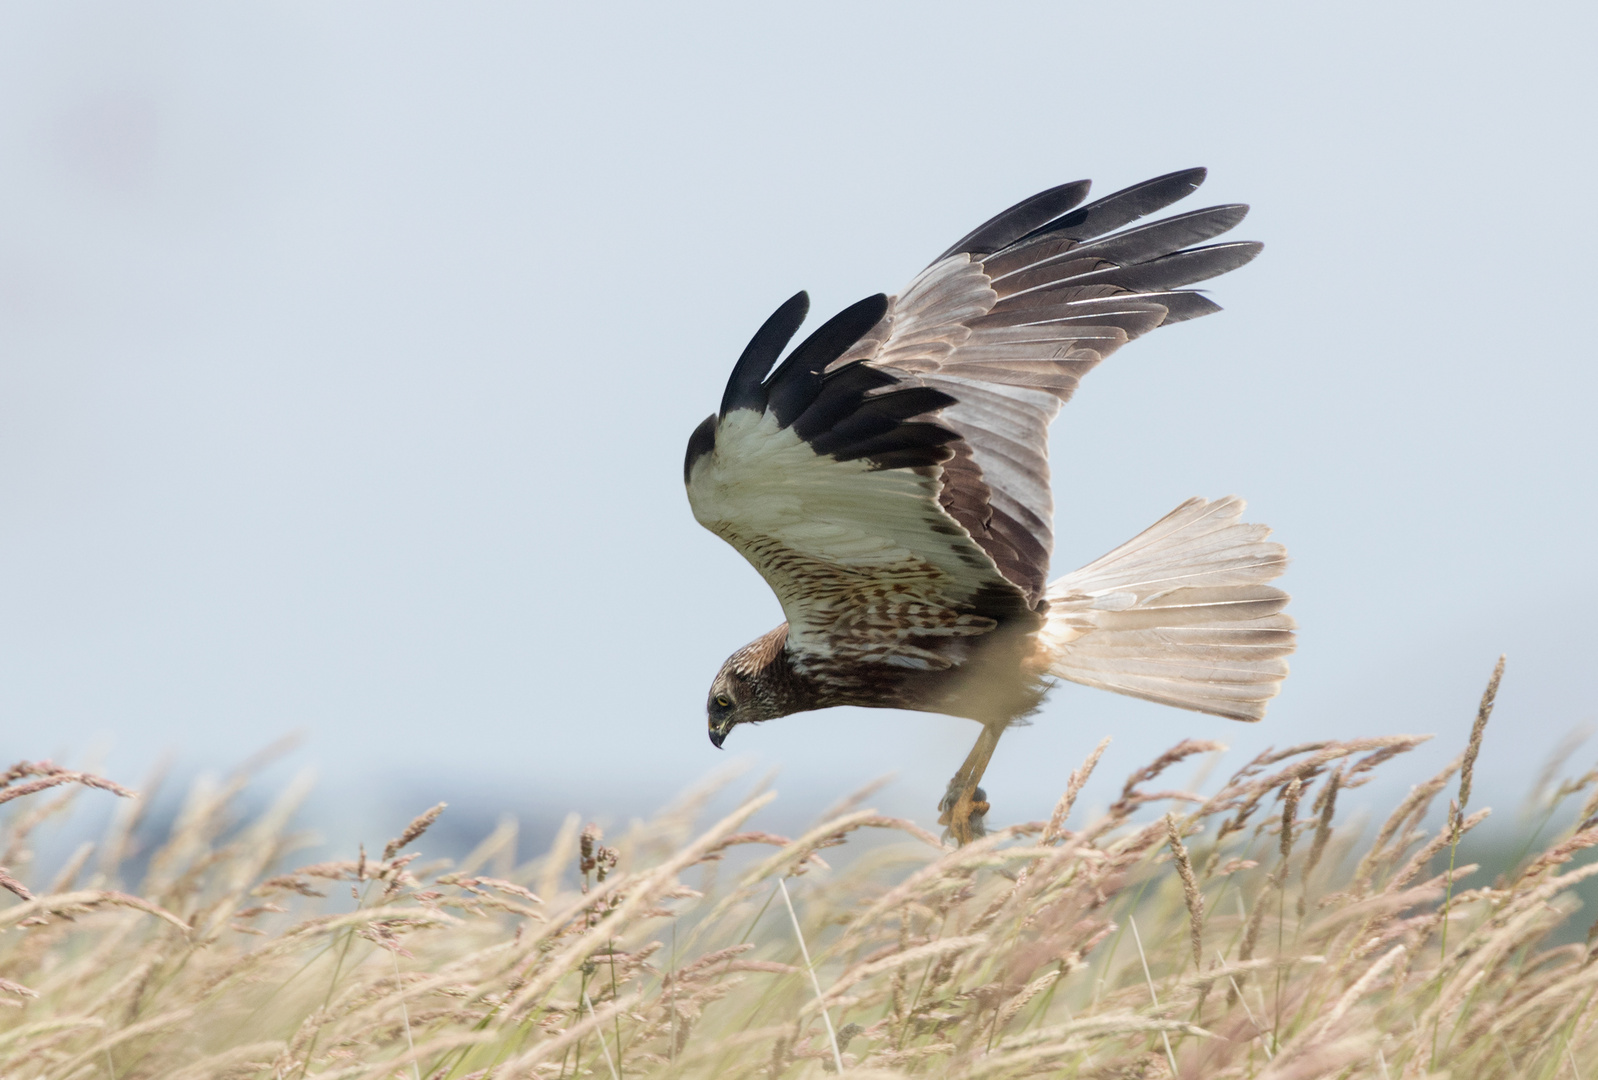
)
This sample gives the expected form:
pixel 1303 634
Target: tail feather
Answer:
pixel 1180 614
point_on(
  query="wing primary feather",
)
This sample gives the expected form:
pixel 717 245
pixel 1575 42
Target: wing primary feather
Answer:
pixel 1184 304
pixel 880 415
pixel 928 439
pixel 744 386
pixel 1051 309
pixel 912 457
pixel 1175 270
pixel 1163 237
pixel 1123 207
pixel 1010 225
pixel 798 381
pixel 841 394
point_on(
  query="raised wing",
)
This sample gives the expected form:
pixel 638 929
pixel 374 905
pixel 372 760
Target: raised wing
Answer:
pixel 1010 318
pixel 828 483
pixel 890 479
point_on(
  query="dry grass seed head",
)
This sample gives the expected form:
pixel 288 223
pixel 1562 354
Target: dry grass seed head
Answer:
pixel 522 978
pixel 1190 890
pixel 412 832
pixel 1484 712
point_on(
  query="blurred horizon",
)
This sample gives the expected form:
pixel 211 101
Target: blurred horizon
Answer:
pixel 347 355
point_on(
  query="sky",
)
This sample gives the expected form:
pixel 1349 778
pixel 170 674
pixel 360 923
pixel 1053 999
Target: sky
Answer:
pixel 348 353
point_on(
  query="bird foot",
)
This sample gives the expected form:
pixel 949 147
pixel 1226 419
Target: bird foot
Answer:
pixel 964 811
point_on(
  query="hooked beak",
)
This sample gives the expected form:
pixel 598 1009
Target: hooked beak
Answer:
pixel 718 736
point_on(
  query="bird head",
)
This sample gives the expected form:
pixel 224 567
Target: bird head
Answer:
pixel 734 699
pixel 749 688
pixel 721 710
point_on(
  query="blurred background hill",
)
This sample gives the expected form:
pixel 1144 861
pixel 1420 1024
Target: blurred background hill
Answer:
pixel 347 353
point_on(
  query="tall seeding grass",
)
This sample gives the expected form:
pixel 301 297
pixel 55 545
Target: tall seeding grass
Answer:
pixel 1243 933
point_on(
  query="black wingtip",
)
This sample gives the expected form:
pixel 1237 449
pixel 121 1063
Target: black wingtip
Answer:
pixel 744 389
pixel 1183 304
pixel 794 385
pixel 1192 178
pixel 1125 206
pixel 1016 221
pixel 700 443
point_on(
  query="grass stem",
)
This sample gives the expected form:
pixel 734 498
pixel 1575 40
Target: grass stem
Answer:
pixel 600 1031
pixel 804 951
pixel 1153 994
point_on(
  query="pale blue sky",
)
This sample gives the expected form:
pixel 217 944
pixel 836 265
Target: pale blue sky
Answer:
pixel 347 354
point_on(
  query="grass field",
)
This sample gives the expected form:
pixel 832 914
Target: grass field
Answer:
pixel 1248 932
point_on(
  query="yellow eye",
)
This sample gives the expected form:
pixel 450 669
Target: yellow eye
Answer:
pixel 724 701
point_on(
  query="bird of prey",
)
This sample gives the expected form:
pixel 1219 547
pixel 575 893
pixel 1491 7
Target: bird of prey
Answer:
pixel 889 479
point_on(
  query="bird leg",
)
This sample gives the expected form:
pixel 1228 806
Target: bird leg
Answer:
pixel 965 804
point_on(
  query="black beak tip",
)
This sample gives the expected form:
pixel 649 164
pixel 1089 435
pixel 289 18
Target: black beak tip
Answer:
pixel 717 738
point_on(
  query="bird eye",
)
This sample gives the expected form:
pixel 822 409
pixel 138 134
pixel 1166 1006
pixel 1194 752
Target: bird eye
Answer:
pixel 724 701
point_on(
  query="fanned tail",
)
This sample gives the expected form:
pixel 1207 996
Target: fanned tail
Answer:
pixel 1180 614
